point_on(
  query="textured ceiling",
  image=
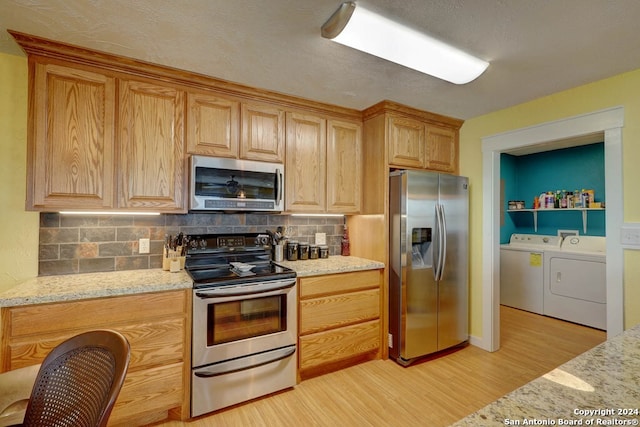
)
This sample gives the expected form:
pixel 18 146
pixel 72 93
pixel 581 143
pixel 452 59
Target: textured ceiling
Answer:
pixel 536 47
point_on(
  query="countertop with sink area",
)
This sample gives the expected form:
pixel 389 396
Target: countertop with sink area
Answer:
pixel 48 289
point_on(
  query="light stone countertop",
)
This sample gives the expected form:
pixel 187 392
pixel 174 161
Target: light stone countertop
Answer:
pixel 331 265
pixel 71 287
pixel 598 387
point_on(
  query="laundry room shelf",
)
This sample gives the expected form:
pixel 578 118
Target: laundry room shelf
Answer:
pixel 535 214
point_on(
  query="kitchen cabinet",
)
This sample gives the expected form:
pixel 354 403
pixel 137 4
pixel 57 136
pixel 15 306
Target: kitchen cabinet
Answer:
pixel 344 166
pixel 415 144
pixel 71 143
pixel 155 324
pixel 441 151
pixel 323 165
pixel 224 127
pixel 109 132
pixel 262 133
pixel 306 163
pixel 152 159
pixel 213 125
pixel 339 317
pixel 406 142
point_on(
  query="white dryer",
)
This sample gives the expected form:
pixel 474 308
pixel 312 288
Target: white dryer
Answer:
pixel 522 270
pixel 575 283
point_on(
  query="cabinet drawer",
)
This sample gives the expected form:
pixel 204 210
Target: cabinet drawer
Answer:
pixel 152 344
pixel 334 283
pixel 91 314
pixel 150 390
pixel 339 344
pixel 323 313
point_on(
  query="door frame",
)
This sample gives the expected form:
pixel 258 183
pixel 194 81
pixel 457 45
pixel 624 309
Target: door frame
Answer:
pixel 608 122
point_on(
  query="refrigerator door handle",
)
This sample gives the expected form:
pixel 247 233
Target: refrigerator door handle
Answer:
pixel 443 239
pixel 437 252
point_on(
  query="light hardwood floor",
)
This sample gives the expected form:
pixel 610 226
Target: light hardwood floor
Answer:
pixel 432 393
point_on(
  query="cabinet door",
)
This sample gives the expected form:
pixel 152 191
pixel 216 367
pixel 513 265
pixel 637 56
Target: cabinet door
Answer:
pixel 406 142
pixel 442 149
pixel 344 166
pixel 306 163
pixel 71 155
pixel 152 160
pixel 262 133
pixel 213 125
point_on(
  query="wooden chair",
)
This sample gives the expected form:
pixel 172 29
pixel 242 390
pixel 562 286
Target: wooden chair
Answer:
pixel 79 381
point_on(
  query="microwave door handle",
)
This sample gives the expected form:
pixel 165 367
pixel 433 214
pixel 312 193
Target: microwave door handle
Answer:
pixel 279 187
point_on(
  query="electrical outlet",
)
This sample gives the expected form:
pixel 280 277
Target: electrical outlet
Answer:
pixel 321 238
pixel 390 339
pixel 630 235
pixel 143 246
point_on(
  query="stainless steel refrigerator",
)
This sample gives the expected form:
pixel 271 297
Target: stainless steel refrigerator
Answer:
pixel 428 257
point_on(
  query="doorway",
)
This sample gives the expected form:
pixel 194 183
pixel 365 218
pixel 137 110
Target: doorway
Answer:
pixel 548 136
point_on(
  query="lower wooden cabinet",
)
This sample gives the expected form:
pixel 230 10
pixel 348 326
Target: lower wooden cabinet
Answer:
pixel 339 317
pixel 155 324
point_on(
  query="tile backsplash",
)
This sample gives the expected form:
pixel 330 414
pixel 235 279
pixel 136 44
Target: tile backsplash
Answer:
pixel 90 243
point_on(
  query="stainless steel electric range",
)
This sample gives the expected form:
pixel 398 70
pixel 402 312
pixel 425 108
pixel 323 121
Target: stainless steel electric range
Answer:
pixel 244 320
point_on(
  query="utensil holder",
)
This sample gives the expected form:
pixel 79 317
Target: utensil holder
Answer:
pixel 172 261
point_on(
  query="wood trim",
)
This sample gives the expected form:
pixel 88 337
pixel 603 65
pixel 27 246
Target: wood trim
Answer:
pixel 34 45
pixel 409 112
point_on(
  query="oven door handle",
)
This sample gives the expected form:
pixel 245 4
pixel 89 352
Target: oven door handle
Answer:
pixel 245 363
pixel 252 289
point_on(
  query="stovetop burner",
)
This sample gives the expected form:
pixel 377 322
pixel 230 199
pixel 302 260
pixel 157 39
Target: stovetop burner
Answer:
pixel 209 258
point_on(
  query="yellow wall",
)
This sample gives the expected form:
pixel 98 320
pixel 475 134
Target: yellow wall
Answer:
pixel 18 228
pixel 622 90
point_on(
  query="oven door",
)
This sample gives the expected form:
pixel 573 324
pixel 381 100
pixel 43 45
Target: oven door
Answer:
pixel 237 321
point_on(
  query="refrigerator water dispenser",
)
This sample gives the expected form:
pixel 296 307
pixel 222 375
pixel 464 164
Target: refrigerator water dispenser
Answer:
pixel 421 251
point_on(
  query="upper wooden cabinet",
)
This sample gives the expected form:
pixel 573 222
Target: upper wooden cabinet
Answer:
pixel 152 158
pixel 262 133
pixel 71 139
pixel 324 164
pixel 223 127
pixel 344 166
pixel 441 149
pixel 406 142
pixel 213 125
pixel 400 137
pixel 306 163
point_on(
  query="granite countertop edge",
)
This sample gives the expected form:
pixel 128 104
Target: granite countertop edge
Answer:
pixel 74 287
pixel 603 380
pixel 332 265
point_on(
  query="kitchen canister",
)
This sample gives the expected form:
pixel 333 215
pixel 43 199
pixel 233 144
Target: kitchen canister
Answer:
pixel 303 251
pixel 324 251
pixel 292 250
pixel 314 252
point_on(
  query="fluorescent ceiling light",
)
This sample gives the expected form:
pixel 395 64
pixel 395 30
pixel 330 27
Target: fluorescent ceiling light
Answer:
pixel 361 29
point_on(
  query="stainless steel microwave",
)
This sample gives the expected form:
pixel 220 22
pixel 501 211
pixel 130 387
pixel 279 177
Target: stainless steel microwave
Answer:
pixel 219 184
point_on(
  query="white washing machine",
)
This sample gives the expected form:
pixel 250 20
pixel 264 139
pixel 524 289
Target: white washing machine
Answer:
pixel 575 282
pixel 522 270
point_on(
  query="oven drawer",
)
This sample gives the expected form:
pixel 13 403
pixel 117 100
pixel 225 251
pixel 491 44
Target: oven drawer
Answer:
pixel 212 390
